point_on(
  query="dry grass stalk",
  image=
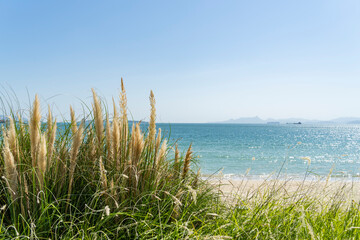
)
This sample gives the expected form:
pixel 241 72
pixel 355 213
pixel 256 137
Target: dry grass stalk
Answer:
pixel 115 138
pixel 123 102
pixel 103 178
pixel 34 129
pixel 108 137
pixel 21 125
pixel 152 125
pixel 128 167
pixel 12 140
pixel 124 127
pixel 123 109
pixel 49 122
pixel 176 161
pixel 76 143
pixel 137 145
pixel 157 146
pixel 196 180
pixel 187 160
pixel 73 121
pixel 112 188
pixel 10 168
pixel 99 124
pixel 42 160
pixel 162 153
pixel 92 149
pixel 158 141
pixel 51 135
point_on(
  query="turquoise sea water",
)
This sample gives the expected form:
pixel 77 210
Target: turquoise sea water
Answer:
pixel 261 150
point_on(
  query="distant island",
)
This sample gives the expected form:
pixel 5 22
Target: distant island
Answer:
pixel 272 121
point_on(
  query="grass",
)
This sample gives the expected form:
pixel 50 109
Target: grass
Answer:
pixel 101 179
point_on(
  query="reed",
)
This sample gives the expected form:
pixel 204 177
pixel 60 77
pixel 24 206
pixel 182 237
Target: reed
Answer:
pixel 98 119
pixel 152 124
pixel 115 138
pixel 50 136
pixel 59 175
pixel 12 140
pixel 108 138
pixel 11 174
pixel 176 162
pixel 187 161
pixel 76 143
pixel 34 129
pixel 124 129
pixel 41 161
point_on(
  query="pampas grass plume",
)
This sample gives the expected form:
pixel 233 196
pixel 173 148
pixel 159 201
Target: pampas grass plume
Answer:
pixel 115 136
pixel 73 120
pixel 99 125
pixel 10 168
pixel 42 160
pixel 51 135
pixel 12 140
pixel 108 137
pixel 158 141
pixel 137 145
pixel 187 160
pixel 103 178
pixel 76 143
pixel 34 129
pixel 152 124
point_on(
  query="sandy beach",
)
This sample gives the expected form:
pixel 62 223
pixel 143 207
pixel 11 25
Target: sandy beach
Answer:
pixel 233 190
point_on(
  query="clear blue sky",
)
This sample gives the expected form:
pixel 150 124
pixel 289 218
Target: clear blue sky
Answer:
pixel 205 60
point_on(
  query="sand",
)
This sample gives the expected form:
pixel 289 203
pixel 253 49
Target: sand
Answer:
pixel 235 190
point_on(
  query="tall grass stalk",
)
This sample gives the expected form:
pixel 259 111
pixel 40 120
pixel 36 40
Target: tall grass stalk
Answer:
pixel 57 176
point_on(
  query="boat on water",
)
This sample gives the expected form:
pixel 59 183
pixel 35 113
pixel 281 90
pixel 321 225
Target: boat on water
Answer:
pixel 294 123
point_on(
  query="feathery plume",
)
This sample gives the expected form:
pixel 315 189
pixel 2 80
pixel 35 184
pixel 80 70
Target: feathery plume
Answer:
pixel 10 168
pixel 51 135
pixel 115 138
pixel 158 141
pixel 103 178
pixel 73 120
pixel 157 146
pixel 176 161
pixel 187 159
pixel 21 125
pixel 123 107
pixel 123 101
pixel 51 142
pixel 49 122
pixel 137 145
pixel 13 142
pixel 124 127
pixel 152 125
pixel 99 125
pixel 34 128
pixel 76 143
pixel 42 161
pixel 108 137
pixel 162 152
pixel 112 187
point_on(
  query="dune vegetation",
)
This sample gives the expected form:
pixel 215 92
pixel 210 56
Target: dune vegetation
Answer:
pixel 99 177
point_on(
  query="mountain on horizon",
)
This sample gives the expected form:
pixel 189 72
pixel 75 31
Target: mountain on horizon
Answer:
pixel 258 120
pixel 254 120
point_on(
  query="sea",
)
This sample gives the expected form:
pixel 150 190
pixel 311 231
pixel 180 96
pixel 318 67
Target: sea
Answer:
pixel 258 151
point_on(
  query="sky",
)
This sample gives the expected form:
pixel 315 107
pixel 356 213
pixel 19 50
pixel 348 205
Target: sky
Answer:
pixel 206 61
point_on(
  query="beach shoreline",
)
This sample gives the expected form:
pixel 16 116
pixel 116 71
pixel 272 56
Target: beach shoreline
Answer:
pixel 234 190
